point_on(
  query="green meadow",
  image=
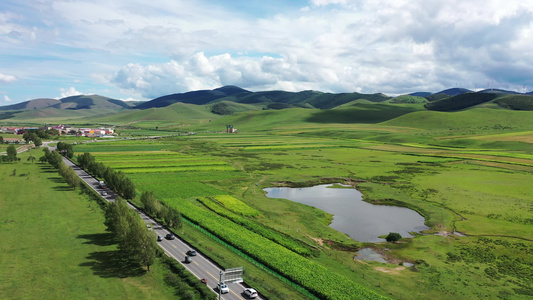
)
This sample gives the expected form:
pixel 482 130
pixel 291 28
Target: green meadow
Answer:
pixel 454 174
pixel 465 172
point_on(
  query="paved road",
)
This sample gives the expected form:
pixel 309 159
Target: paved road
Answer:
pixel 200 266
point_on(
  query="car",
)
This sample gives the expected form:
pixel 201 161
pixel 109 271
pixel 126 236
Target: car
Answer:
pixel 188 259
pixel 222 288
pixel 191 253
pixel 149 227
pixel 250 293
pixel 104 193
pixel 169 236
pixel 159 238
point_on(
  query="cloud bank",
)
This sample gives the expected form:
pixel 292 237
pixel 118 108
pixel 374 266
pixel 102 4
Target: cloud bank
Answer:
pixel 144 49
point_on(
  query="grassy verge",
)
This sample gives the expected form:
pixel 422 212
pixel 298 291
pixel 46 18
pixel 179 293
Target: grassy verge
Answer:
pixel 54 244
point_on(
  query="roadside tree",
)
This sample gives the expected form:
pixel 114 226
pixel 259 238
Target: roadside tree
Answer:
pixel 150 203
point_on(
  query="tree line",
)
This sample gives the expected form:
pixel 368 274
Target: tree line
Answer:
pixel 169 215
pixel 56 160
pixel 131 233
pixel 126 225
pixel 117 181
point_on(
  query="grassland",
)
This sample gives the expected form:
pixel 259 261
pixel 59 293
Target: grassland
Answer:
pixel 466 171
pixel 453 188
pixel 54 244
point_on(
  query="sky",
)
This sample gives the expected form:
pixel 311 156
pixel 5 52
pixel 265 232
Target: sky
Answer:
pixel 140 50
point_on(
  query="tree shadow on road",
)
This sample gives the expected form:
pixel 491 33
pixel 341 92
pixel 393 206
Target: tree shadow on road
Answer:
pixel 109 263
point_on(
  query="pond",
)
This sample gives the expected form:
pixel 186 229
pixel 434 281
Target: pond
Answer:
pixel 360 220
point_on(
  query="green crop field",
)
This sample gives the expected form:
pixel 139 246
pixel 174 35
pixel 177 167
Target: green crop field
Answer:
pixel 54 244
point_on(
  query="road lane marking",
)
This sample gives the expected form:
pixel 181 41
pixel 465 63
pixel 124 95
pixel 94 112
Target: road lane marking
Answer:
pixel 212 275
pixel 196 263
pixel 238 296
pixel 174 246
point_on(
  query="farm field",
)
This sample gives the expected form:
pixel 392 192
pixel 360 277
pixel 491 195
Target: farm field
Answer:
pixel 481 191
pixel 55 246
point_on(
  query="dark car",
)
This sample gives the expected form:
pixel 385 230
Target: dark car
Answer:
pixel 191 253
pixel 159 238
pixel 169 236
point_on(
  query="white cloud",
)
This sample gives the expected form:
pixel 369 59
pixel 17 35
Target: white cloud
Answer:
pixel 7 78
pixel 7 99
pixel 327 2
pixel 201 72
pixel 370 46
pixel 71 91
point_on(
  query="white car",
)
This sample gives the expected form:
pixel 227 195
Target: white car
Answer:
pixel 250 293
pixel 223 288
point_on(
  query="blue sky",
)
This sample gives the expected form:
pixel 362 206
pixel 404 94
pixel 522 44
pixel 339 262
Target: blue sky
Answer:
pixel 140 50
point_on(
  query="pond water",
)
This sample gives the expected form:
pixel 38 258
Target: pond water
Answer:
pixel 369 254
pixel 360 220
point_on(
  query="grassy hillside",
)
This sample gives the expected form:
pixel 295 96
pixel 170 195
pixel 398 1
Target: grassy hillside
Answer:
pixel 363 113
pixel 516 102
pixel 258 120
pixel 328 100
pixel 69 109
pixel 32 104
pixel 229 107
pixel 461 101
pixel 408 99
pixel 54 115
pixel 469 119
pixel 177 114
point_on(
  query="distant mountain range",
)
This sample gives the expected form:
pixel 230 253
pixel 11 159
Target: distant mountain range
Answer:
pixel 73 103
pixel 232 99
pixel 311 99
pixel 459 91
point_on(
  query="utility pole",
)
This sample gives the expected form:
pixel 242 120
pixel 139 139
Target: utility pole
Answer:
pixel 219 281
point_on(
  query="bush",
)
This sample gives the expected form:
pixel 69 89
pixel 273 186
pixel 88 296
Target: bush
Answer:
pixel 393 237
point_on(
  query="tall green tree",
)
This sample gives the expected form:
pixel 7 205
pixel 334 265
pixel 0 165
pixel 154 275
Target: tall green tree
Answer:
pixel 150 203
pixel 65 149
pixel 131 233
pixel 37 141
pixel 11 152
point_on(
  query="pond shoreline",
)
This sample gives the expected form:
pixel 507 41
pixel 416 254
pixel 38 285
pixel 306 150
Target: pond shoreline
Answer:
pixel 361 220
